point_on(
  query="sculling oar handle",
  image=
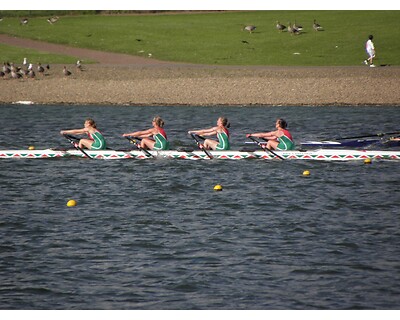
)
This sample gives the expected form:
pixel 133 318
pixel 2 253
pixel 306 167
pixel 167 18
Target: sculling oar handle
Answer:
pixel 264 147
pixel 69 136
pixel 136 141
pixel 73 141
pixel 197 138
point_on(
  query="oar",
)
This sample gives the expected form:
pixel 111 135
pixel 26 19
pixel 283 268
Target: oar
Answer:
pixel 70 136
pixel 264 147
pixel 137 143
pixel 255 142
pixel 73 140
pixel 371 135
pixel 197 138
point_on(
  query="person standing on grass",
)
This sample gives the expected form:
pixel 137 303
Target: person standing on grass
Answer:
pixel 370 48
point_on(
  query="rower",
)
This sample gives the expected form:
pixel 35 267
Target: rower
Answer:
pixel 222 132
pixel 154 138
pixel 280 139
pixel 95 141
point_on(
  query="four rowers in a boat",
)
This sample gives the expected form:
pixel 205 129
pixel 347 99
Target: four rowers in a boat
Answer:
pixel 155 138
pixel 96 140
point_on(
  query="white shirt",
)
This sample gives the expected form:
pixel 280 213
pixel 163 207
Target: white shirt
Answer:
pixel 369 45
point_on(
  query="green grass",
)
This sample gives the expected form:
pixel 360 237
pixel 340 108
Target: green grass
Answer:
pixel 217 38
pixel 16 55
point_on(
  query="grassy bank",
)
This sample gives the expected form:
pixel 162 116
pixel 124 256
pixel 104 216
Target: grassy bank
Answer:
pixel 217 38
pixel 16 54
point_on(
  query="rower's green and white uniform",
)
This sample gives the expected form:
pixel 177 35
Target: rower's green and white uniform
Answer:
pixel 223 139
pixel 161 140
pixel 286 141
pixel 99 143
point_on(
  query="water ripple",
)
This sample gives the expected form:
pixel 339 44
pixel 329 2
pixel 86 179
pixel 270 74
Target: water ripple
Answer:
pixel 155 235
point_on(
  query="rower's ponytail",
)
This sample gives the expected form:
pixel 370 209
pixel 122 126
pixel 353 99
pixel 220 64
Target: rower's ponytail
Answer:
pixel 159 121
pixel 91 122
pixel 282 123
pixel 225 122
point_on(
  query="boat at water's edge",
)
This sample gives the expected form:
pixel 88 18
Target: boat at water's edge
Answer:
pixel 318 154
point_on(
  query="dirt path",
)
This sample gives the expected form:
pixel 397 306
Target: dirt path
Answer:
pixel 82 54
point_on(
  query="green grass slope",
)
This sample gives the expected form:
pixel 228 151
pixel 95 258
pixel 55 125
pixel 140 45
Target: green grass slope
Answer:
pixel 217 38
pixel 16 55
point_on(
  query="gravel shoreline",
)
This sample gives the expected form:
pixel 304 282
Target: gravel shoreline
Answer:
pixel 208 86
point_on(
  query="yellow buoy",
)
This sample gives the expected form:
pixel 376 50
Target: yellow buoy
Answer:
pixel 218 187
pixel 306 173
pixel 31 148
pixel 367 161
pixel 71 203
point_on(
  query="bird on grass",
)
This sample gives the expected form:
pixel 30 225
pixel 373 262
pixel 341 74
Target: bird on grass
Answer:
pixel 280 27
pixel 52 20
pixel 66 72
pixel 24 21
pixel 296 26
pixel 316 26
pixel 291 29
pixel 249 28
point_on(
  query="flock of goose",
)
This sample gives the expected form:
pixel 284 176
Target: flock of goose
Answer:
pixel 29 71
pixel 25 21
pixel 10 71
pixel 291 28
pixel 51 20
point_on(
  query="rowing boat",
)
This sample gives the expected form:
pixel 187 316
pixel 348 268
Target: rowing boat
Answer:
pixel 317 154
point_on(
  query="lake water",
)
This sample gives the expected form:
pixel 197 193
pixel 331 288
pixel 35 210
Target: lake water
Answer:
pixel 153 234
